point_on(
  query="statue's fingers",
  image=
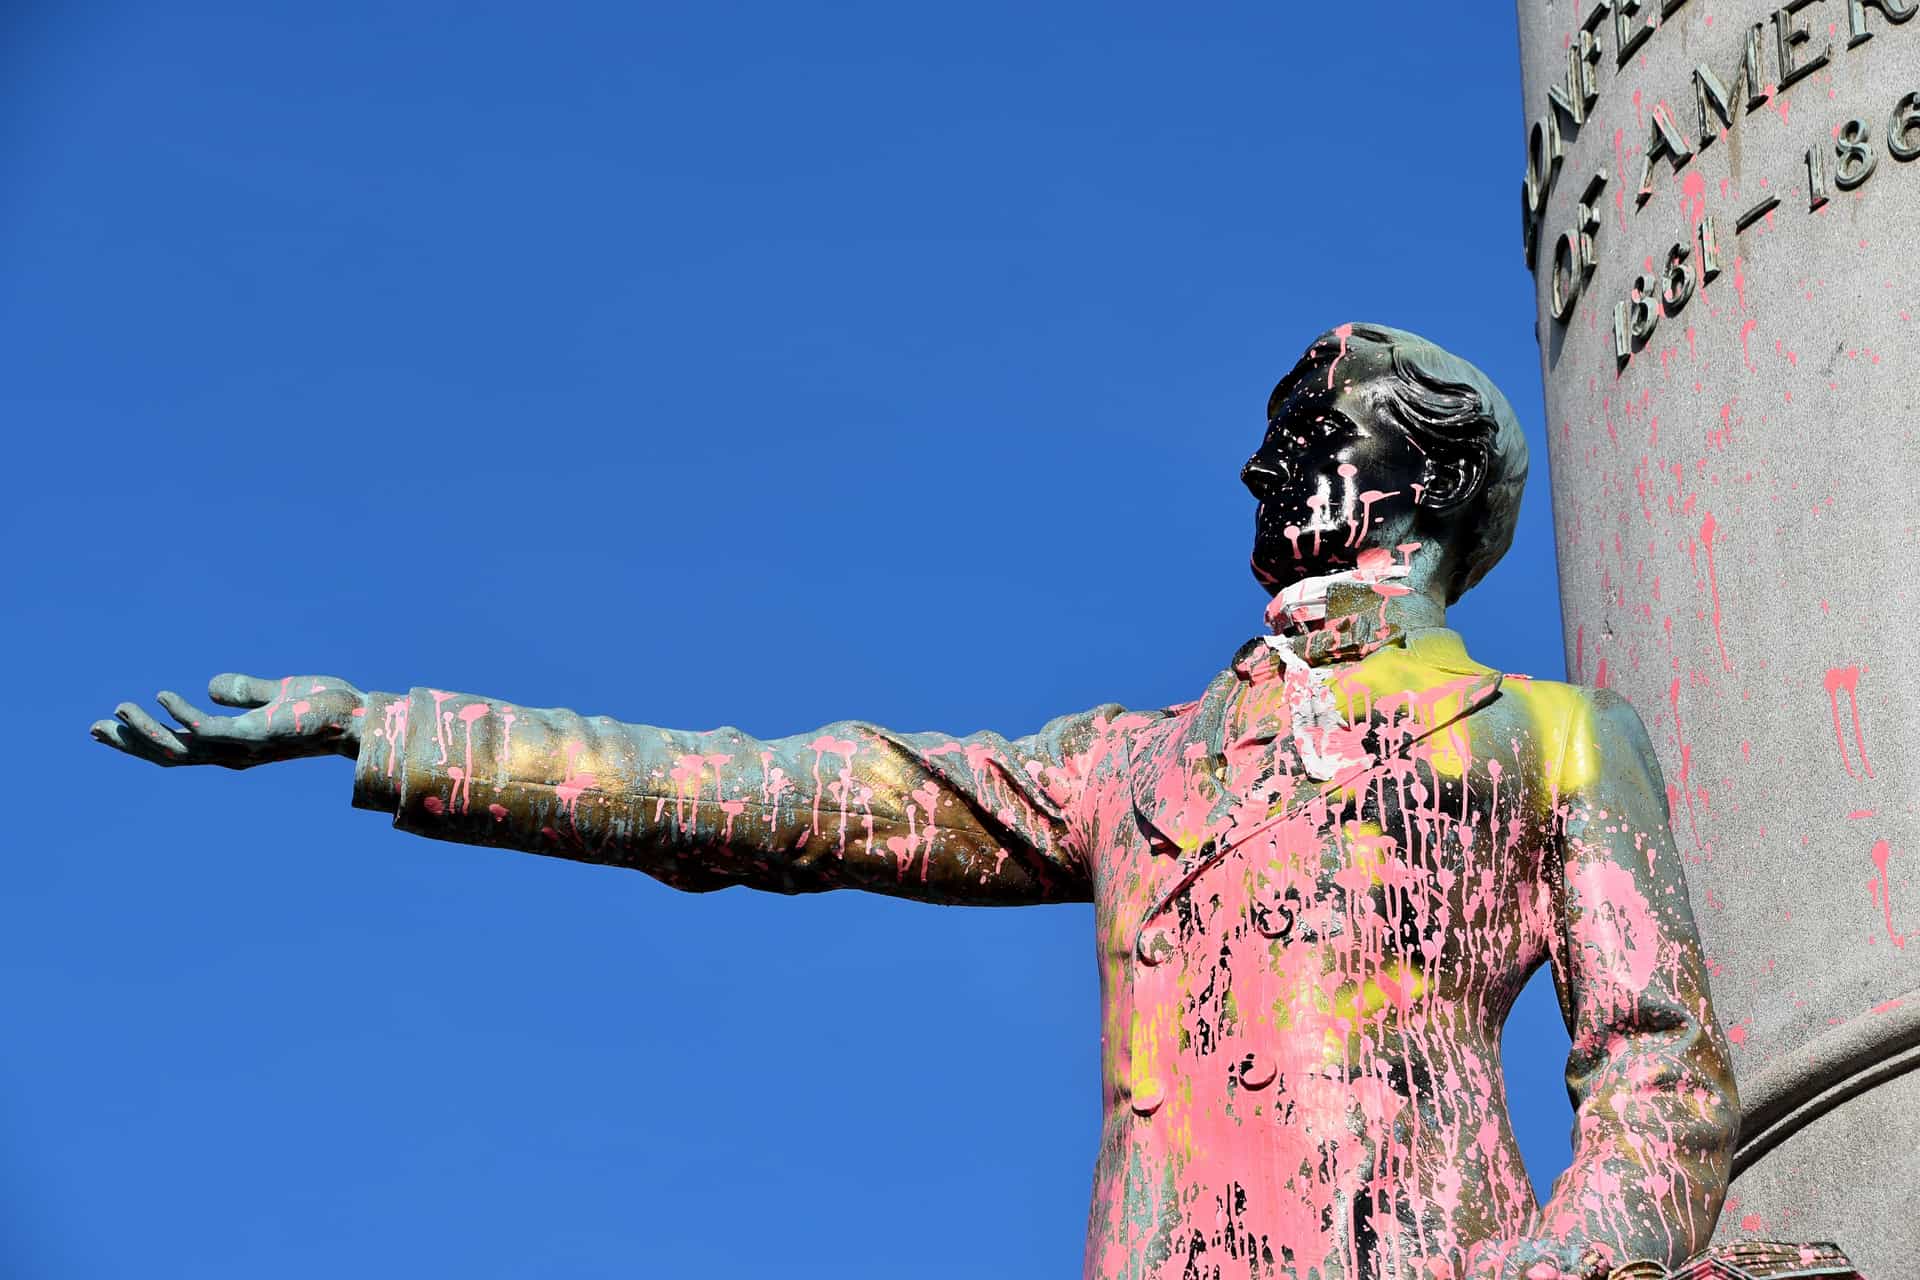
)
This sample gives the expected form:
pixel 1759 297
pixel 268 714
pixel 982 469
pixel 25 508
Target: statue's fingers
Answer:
pixel 136 719
pixel 201 722
pixel 231 689
pixel 114 734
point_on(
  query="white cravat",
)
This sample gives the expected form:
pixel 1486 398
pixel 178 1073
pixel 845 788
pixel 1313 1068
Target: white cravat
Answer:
pixel 1316 713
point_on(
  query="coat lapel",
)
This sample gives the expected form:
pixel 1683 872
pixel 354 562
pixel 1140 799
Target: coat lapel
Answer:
pixel 1419 692
pixel 1426 686
pixel 1172 772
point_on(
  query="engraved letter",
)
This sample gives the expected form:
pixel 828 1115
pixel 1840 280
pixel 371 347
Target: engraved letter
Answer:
pixel 1854 154
pixel 1903 130
pixel 1576 97
pixel 1544 152
pixel 1892 10
pixel 1709 249
pixel 1816 179
pixel 1787 38
pixel 1676 285
pixel 1574 257
pixel 1663 139
pixel 1629 35
pixel 1711 96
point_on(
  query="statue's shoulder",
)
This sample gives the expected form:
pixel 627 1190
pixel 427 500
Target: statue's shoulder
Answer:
pixel 1583 732
pixel 1595 709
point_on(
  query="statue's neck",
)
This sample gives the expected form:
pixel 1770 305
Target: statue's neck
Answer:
pixel 1356 603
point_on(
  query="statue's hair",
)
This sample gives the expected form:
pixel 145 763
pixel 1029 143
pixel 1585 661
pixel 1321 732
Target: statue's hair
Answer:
pixel 1449 407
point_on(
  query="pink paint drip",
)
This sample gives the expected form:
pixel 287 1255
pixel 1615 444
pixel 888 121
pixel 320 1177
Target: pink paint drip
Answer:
pixel 1881 888
pixel 1367 499
pixel 440 723
pixel 278 699
pixel 1686 761
pixel 1707 528
pixel 573 785
pixel 1847 678
pixel 1345 331
pixel 463 792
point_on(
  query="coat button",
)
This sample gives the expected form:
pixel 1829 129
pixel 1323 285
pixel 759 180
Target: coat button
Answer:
pixel 1148 1097
pixel 1275 915
pixel 1256 1070
pixel 1155 945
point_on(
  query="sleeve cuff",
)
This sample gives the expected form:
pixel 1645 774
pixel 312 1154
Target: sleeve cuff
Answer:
pixel 379 771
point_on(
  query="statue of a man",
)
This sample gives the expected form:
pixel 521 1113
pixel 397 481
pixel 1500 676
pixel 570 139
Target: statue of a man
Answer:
pixel 1318 888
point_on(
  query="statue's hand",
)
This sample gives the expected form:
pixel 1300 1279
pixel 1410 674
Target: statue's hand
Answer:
pixel 287 719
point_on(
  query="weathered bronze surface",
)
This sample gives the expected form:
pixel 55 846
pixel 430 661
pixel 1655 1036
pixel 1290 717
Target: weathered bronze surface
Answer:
pixel 1318 887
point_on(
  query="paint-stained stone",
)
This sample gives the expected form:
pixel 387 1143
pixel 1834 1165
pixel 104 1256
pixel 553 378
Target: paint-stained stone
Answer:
pixel 1737 524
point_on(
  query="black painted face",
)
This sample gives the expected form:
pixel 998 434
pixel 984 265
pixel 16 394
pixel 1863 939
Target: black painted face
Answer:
pixel 1333 479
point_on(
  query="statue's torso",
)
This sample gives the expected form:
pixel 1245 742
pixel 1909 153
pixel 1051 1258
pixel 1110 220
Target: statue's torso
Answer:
pixel 1304 979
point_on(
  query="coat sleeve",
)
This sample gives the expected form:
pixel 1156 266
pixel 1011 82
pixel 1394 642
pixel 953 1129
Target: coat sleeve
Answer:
pixel 977 819
pixel 1655 1111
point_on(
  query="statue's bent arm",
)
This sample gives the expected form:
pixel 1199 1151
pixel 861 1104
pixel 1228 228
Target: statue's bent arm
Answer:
pixel 978 819
pixel 1655 1111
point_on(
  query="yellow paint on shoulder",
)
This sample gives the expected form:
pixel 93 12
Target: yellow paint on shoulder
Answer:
pixel 1428 681
pixel 1563 725
pixel 1446 751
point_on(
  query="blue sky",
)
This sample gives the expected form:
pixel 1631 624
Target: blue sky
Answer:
pixel 724 363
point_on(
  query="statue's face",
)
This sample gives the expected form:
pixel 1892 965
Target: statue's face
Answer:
pixel 1333 479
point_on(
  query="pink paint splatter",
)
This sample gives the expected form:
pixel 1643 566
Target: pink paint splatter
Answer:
pixel 1707 528
pixel 1881 888
pixel 1847 678
pixel 1345 331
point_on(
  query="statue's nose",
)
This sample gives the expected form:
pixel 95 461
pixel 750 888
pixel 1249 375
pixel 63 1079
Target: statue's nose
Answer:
pixel 1263 475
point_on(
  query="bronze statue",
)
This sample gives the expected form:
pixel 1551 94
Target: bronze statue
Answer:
pixel 1318 888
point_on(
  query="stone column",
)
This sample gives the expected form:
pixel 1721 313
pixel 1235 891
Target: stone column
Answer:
pixel 1721 210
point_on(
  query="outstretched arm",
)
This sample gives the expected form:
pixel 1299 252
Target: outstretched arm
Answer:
pixel 979 819
pixel 1655 1112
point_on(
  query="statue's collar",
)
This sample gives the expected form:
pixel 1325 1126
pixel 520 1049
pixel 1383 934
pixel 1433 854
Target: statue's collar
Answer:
pixel 1430 649
pixel 1338 617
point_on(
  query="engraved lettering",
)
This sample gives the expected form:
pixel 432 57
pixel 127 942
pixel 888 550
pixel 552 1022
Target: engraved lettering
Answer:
pixel 1712 98
pixel 1587 220
pixel 1709 249
pixel 1854 155
pixel 1757 210
pixel 1676 282
pixel 1788 38
pixel 1662 139
pixel 1629 34
pixel 1903 130
pixel 1634 320
pixel 1562 285
pixel 1575 98
pixel 1643 315
pixel 1892 10
pixel 1544 152
pixel 1816 179
pixel 1574 254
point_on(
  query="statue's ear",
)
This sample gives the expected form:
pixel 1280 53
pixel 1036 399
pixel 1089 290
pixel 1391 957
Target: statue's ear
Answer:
pixel 1454 477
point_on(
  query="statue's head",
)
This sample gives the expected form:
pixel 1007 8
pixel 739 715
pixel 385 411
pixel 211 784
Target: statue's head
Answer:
pixel 1379 439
